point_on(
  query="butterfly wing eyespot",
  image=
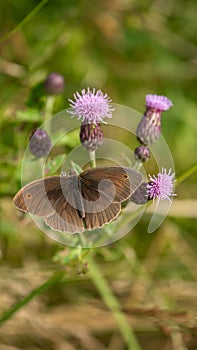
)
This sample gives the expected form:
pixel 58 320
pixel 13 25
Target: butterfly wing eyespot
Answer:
pixel 28 195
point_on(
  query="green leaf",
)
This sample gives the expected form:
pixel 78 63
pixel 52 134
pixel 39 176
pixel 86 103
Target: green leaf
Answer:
pixel 70 139
pixel 71 256
pixel 53 165
pixel 29 115
pixel 37 96
pixel 76 167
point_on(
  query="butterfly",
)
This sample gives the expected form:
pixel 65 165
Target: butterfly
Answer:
pixel 77 203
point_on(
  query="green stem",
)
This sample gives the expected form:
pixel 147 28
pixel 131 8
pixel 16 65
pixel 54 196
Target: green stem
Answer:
pixel 186 174
pixel 113 304
pixel 93 158
pixel 49 111
pixel 54 279
pixel 137 164
pixel 82 240
pixel 25 20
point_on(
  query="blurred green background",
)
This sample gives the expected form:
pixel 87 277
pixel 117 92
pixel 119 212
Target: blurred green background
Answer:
pixel 127 49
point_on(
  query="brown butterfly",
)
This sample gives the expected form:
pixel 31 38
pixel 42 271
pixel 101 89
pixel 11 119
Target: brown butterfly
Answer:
pixel 82 202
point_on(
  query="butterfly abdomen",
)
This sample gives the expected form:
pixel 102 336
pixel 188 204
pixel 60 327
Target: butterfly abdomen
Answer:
pixel 77 197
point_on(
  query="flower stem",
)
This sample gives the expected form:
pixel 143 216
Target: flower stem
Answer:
pixel 54 279
pixel 82 240
pixel 186 174
pixel 137 165
pixel 113 304
pixel 93 158
pixel 49 111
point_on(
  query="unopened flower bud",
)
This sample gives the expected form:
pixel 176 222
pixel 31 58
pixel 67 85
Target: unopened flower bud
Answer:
pixel 91 136
pixel 142 153
pixel 54 84
pixel 40 143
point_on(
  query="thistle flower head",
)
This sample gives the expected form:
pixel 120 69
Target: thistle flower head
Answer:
pixel 91 106
pixel 157 102
pixel 161 187
pixel 40 143
pixel 149 129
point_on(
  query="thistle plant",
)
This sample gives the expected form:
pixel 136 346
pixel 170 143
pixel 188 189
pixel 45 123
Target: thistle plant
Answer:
pixel 149 129
pixel 92 107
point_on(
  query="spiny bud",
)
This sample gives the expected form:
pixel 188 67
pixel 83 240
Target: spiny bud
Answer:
pixel 91 136
pixel 54 84
pixel 40 143
pixel 142 153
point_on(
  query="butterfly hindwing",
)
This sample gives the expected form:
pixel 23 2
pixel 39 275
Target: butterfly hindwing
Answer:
pixel 67 220
pixel 99 219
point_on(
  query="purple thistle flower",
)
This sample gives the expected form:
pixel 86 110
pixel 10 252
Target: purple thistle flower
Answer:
pixel 142 153
pixel 91 136
pixel 158 103
pixel 149 128
pixel 92 106
pixel 40 143
pixel 161 187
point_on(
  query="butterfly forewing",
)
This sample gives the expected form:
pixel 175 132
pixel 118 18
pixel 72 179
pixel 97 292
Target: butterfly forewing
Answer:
pixel 123 179
pixel 68 209
pixel 39 197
